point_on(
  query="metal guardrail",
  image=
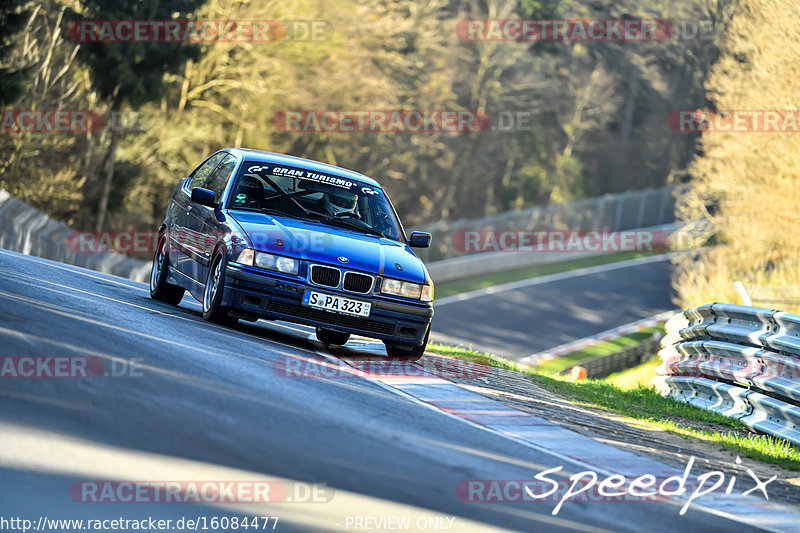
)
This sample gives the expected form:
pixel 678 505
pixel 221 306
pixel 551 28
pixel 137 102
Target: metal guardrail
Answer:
pixel 620 211
pixel 27 230
pixel 646 209
pixel 481 264
pixel 740 361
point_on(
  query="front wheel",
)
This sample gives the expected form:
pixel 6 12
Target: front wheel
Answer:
pixel 407 352
pixel 159 288
pixel 212 294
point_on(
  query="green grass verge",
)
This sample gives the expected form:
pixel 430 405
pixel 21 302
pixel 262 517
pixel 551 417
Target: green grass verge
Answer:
pixel 642 374
pixel 645 405
pixel 456 287
pixel 474 356
pixel 600 349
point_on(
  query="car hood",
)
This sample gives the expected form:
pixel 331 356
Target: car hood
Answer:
pixel 321 243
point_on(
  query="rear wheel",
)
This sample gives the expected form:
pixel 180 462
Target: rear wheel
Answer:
pixel 328 336
pixel 212 295
pixel 407 352
pixel 159 288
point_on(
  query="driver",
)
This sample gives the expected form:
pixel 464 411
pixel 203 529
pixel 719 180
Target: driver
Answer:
pixel 340 203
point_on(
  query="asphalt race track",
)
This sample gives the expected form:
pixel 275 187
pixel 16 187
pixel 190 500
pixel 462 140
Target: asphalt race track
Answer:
pixel 197 401
pixel 534 315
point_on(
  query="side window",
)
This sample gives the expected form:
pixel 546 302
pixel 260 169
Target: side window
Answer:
pixel 201 173
pixel 219 178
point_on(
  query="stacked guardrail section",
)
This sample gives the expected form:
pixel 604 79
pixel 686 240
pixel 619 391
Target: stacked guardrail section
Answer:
pixel 743 362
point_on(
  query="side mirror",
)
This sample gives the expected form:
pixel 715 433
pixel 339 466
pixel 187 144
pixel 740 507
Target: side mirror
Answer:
pixel 420 239
pixel 203 197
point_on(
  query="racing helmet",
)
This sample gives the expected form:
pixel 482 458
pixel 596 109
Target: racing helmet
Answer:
pixel 339 202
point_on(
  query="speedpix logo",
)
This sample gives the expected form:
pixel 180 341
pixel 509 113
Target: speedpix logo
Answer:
pixel 587 486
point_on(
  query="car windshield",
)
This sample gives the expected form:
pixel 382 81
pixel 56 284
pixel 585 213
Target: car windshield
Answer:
pixel 303 193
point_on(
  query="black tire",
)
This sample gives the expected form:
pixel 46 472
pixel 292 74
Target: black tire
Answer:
pixel 328 336
pixel 407 352
pixel 159 288
pixel 212 293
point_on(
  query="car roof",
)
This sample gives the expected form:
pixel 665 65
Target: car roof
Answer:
pixel 283 159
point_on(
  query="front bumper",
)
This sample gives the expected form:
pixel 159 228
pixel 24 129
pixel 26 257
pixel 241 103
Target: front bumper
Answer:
pixel 280 298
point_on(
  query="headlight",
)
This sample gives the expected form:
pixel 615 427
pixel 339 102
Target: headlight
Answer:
pixel 279 263
pixel 245 257
pixel 407 289
pixel 411 290
pixel 391 286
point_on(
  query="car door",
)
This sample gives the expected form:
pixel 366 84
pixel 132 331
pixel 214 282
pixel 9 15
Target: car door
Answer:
pixel 181 240
pixel 204 222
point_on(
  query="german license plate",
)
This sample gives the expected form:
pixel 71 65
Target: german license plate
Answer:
pixel 336 304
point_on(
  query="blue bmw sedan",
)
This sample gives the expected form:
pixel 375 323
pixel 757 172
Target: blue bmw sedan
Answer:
pixel 253 234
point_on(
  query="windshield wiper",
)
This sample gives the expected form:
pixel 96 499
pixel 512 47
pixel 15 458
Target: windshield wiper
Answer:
pixel 271 211
pixel 355 224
